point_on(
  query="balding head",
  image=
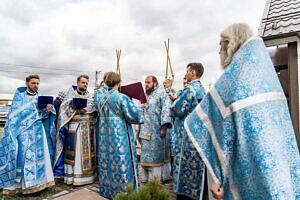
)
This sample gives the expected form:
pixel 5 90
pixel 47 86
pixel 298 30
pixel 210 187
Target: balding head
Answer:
pixel 150 84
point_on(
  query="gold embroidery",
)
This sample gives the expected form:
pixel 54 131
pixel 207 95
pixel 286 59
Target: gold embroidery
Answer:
pixel 70 153
pixel 79 183
pixel 29 190
pixel 143 164
pixel 145 137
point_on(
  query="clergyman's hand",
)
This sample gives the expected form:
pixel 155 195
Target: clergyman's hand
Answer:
pixel 163 132
pixel 173 96
pixel 49 108
pixel 216 190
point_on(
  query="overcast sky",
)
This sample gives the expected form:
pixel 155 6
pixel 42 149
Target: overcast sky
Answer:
pixel 60 39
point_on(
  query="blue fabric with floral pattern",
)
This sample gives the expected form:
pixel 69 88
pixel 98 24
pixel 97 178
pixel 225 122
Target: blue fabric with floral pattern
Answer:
pixel 155 150
pixel 243 131
pixel 117 157
pixel 22 145
pixel 188 168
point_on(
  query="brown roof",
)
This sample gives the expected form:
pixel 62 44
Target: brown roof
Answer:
pixel 280 18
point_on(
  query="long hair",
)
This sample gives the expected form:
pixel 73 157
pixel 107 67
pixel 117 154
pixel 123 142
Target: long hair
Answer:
pixel 235 35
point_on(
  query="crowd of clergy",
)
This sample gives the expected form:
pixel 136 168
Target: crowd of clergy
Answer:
pixel 235 141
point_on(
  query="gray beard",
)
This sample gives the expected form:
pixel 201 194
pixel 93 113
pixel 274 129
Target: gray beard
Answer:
pixel 223 57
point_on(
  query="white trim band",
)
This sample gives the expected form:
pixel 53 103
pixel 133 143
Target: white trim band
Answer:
pixel 256 99
pixel 218 100
pixel 249 101
pixel 225 166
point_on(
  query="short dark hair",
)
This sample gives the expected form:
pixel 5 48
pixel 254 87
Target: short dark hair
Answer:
pixel 197 67
pixel 82 76
pixel 112 79
pixel 32 76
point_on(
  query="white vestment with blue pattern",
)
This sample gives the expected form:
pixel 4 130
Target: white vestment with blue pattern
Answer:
pixel 243 131
pixel 75 156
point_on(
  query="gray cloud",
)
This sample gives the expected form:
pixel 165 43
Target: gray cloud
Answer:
pixel 83 36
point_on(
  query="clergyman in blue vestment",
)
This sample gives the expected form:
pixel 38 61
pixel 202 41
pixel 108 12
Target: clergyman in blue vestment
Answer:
pixel 173 138
pixel 189 169
pixel 27 143
pixel 168 83
pixel 155 141
pixel 117 158
pixel 242 128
